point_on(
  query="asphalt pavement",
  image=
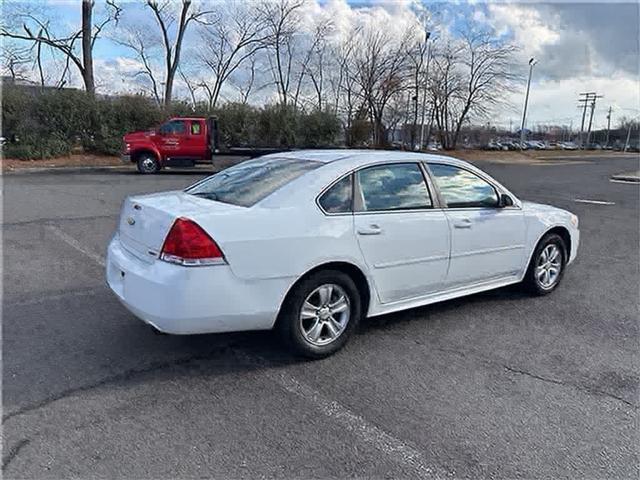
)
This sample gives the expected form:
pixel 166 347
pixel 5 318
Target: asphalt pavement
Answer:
pixel 497 385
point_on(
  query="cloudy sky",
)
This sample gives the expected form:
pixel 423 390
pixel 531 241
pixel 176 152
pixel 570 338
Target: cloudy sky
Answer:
pixel 579 47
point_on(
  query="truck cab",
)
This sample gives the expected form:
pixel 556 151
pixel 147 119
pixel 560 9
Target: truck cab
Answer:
pixel 179 142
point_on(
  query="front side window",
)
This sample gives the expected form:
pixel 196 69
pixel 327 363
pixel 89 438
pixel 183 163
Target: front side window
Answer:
pixel 463 189
pixel 195 128
pixel 174 127
pixel 338 198
pixel 399 186
pixel 249 182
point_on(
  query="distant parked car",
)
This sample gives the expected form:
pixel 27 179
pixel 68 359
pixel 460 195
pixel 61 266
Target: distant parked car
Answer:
pixel 311 242
pixel 536 145
pixel 568 146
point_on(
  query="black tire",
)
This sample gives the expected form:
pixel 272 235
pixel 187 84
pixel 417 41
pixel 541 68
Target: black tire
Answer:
pixel 147 163
pixel 531 281
pixel 290 325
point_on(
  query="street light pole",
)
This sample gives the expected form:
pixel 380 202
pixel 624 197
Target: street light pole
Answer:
pixel 426 86
pixel 532 62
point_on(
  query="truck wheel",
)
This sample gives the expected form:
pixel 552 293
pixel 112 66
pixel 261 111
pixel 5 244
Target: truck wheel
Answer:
pixel 148 163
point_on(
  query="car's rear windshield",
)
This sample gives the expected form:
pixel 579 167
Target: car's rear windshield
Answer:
pixel 249 182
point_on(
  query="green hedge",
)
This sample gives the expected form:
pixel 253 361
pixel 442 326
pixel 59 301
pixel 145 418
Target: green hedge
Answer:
pixel 48 123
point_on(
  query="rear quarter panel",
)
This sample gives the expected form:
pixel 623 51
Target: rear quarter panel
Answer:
pixel 264 243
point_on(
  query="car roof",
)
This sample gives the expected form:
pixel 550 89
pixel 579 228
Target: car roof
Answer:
pixel 339 162
pixel 363 157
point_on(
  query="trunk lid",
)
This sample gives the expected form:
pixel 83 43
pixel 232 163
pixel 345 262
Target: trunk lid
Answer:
pixel 145 220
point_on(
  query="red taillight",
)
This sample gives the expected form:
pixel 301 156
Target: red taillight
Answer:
pixel 188 244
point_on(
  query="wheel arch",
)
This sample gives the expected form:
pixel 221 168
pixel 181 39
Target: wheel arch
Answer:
pixel 140 151
pixel 356 274
pixel 564 233
pixel 560 230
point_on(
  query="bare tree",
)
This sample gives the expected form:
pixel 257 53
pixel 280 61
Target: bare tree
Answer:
pixel 39 31
pixel 312 62
pixel 244 80
pixel 282 23
pixel 418 56
pixel 470 79
pixel 191 86
pixel 15 60
pixel 345 90
pixel 381 71
pixel 234 37
pixel 166 17
pixel 142 43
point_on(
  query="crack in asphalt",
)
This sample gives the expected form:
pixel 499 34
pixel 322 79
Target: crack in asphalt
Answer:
pixel 582 388
pixel 13 453
pixel 118 377
pixel 52 297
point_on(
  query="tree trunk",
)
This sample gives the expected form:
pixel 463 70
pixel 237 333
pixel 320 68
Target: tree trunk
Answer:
pixel 87 50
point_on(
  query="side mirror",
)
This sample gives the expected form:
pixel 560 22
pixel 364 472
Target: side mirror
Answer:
pixel 505 201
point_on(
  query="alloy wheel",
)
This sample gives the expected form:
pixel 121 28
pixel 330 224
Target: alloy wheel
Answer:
pixel 548 266
pixel 325 314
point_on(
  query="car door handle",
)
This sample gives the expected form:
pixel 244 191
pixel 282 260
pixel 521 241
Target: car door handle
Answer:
pixel 463 223
pixel 370 230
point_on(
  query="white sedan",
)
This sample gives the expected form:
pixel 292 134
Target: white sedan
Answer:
pixel 309 242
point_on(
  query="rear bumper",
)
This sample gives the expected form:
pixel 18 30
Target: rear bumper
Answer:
pixel 188 300
pixel 125 158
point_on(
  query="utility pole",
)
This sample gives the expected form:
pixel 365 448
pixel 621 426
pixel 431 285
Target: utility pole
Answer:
pixel 626 143
pixel 532 62
pixel 608 126
pixel 585 97
pixel 593 107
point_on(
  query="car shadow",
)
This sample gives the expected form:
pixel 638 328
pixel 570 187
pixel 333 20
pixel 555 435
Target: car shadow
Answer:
pixel 264 349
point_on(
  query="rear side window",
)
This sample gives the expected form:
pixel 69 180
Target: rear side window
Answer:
pixel 338 199
pixel 249 182
pixel 398 186
pixel 463 189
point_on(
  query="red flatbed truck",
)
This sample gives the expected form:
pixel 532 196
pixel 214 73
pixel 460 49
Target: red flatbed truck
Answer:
pixel 179 142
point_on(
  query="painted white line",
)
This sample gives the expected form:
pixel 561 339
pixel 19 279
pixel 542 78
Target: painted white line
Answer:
pixel 594 202
pixel 628 182
pixel 382 441
pixel 69 240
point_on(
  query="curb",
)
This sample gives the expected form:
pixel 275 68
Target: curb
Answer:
pixel 91 169
pixel 73 169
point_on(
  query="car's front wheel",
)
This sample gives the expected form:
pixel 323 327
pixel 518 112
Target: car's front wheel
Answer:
pixel 147 163
pixel 320 314
pixel 547 265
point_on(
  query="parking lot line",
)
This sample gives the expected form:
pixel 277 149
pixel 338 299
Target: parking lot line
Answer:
pixel 594 202
pixel 392 446
pixel 370 434
pixel 69 240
